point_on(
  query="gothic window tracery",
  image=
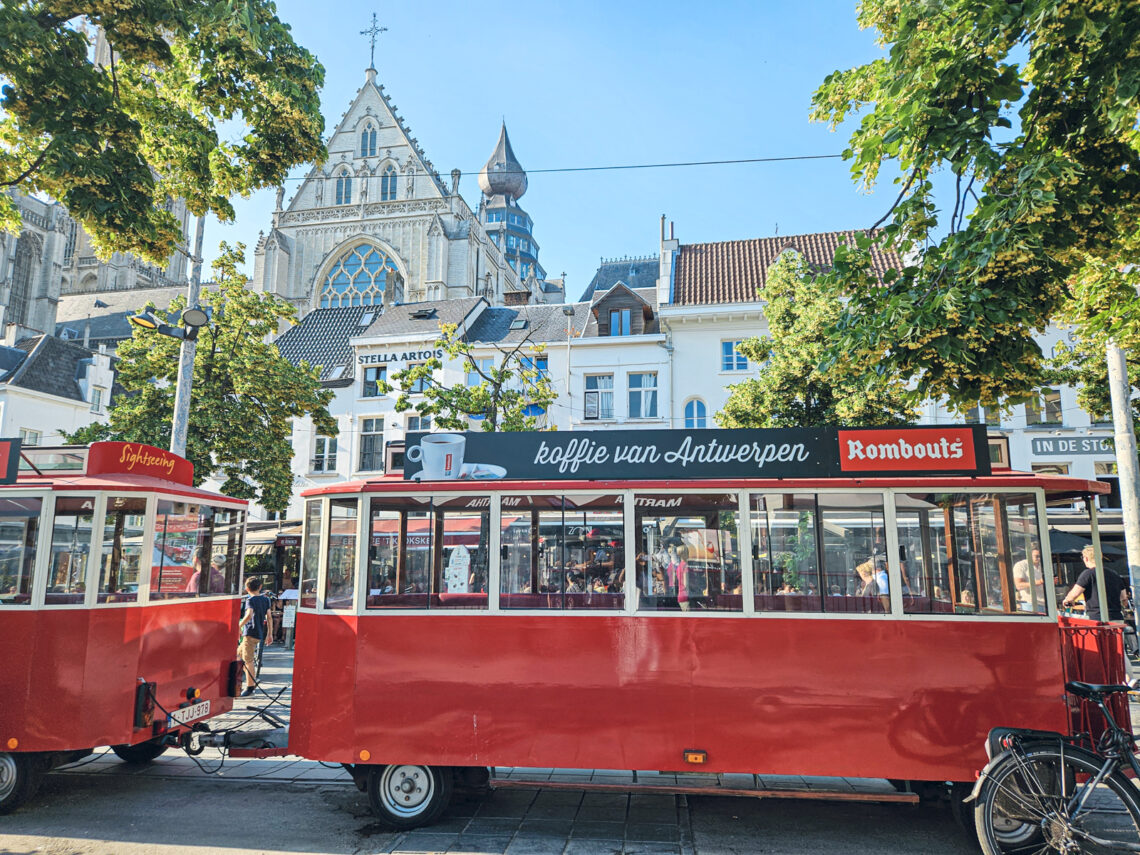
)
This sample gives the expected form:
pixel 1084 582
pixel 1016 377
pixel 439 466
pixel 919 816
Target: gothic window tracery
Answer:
pixel 344 188
pixel 368 141
pixel 20 294
pixel 361 277
pixel 388 185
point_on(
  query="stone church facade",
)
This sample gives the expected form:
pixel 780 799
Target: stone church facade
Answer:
pixel 377 225
pixel 52 257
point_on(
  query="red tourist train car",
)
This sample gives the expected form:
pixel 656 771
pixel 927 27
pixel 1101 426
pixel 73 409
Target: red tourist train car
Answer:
pixel 805 602
pixel 118 606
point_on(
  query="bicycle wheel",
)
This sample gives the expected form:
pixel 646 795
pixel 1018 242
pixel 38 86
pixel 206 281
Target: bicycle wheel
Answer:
pixel 1041 800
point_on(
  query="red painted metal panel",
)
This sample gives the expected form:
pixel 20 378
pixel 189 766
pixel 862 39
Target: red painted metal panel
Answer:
pixel 68 676
pixel 878 698
pixel 132 458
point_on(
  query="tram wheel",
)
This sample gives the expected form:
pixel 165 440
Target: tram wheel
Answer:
pixel 409 796
pixel 144 752
pixel 20 776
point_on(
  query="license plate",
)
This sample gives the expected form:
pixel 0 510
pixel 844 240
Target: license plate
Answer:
pixel 185 715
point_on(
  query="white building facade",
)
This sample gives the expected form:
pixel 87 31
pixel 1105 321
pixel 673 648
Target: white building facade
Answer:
pixel 628 356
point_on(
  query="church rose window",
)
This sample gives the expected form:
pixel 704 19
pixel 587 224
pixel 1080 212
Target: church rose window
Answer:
pixel 359 278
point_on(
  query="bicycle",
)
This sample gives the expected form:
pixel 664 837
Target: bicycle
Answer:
pixel 1044 792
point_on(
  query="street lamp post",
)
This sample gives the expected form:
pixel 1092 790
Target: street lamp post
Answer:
pixel 193 318
pixel 181 425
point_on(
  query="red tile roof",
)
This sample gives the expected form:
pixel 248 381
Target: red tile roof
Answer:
pixel 732 271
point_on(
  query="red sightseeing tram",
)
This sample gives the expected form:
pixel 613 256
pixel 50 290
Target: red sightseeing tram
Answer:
pixel 826 602
pixel 118 583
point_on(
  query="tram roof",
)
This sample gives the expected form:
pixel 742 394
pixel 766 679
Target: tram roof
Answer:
pixel 135 483
pixel 1055 486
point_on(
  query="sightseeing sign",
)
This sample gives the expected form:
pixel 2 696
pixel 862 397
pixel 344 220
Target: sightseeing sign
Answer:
pixel 669 454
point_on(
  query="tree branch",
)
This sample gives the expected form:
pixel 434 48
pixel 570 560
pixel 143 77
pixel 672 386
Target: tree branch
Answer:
pixel 39 161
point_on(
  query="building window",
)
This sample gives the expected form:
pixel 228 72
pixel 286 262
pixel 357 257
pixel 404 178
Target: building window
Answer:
pixel 388 185
pixel 979 414
pixel 696 414
pixel 373 377
pixel 419 386
pixel 324 454
pixel 619 322
pixel 20 295
pixel 96 400
pixel 419 423
pixel 368 142
pixel 371 445
pixel 730 358
pixel 541 364
pixel 1106 473
pixel 599 399
pixel 344 189
pixel 30 437
pixel 484 364
pixel 643 395
pixel 1045 410
pixel 361 277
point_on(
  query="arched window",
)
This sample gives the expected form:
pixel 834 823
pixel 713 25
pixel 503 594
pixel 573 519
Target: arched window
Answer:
pixel 344 189
pixel 368 141
pixel 695 414
pixel 20 294
pixel 361 277
pixel 388 185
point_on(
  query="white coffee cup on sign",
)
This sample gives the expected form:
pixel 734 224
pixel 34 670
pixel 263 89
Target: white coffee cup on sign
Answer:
pixel 441 455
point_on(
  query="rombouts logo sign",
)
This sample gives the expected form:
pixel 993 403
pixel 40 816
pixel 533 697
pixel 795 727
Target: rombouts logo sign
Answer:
pixel 909 450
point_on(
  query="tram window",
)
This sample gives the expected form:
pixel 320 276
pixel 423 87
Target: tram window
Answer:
pixel 124 524
pixel 853 539
pixel 182 564
pixel 70 547
pixel 427 553
pixel 19 524
pixel 688 554
pixel 311 555
pixel 972 553
pixel 785 554
pixel 562 552
pixel 227 558
pixel 341 572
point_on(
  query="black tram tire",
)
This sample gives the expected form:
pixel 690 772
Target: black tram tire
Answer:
pixel 406 796
pixel 20 776
pixel 963 811
pixel 143 752
pixel 999 834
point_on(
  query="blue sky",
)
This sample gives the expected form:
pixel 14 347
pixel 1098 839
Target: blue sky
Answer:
pixel 603 83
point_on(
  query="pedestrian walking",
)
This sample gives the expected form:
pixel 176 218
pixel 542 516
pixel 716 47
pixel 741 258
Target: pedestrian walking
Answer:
pixel 254 628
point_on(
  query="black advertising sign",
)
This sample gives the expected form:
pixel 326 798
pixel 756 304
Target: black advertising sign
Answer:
pixel 681 454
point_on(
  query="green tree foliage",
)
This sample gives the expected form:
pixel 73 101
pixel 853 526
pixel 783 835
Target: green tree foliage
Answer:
pixel 201 99
pixel 1029 112
pixel 244 398
pixel 507 389
pixel 799 385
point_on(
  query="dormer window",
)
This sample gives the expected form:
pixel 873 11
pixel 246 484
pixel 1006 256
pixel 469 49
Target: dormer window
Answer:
pixel 368 141
pixel 344 188
pixel 388 185
pixel 619 322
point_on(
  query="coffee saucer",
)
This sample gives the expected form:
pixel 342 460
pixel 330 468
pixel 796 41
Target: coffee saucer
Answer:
pixel 471 472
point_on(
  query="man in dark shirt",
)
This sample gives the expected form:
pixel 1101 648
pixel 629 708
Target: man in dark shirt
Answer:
pixel 254 628
pixel 1114 592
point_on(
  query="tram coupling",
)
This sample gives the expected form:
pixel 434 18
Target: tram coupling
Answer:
pixel 266 742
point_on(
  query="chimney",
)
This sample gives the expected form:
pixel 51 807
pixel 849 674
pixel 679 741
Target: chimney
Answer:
pixel 668 257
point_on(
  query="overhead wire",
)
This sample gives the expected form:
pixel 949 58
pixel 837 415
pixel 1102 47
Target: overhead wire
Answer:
pixel 628 166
